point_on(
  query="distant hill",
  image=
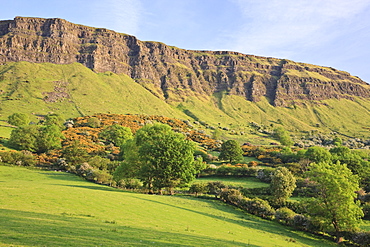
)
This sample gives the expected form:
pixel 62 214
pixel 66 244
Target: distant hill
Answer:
pixel 54 65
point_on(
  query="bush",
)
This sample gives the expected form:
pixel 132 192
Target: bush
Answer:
pixel 300 221
pixel 258 207
pixel 214 188
pixel 22 158
pixel 285 215
pixel 265 174
pixel 130 183
pixel 102 177
pixel 18 119
pixel 94 122
pixel 198 188
pixel 361 238
pixel 231 196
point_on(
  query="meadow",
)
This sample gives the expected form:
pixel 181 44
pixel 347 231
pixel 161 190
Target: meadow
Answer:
pixel 50 208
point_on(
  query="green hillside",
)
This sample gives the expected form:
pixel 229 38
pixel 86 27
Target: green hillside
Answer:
pixel 74 90
pixel 47 208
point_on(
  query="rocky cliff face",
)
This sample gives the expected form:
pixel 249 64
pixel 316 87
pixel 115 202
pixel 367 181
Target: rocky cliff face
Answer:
pixel 169 72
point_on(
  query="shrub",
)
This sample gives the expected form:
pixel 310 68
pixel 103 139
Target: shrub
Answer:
pixel 284 215
pixel 198 188
pixel 214 188
pixel 93 122
pixel 101 177
pixel 18 119
pixel 130 183
pixel 265 174
pixel 232 196
pixel 300 221
pixel 361 238
pixel 22 158
pixel 258 207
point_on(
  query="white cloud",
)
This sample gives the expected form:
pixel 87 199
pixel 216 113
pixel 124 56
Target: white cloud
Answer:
pixel 280 27
pixel 118 15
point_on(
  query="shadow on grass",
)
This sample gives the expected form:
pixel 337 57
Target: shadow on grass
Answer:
pixel 41 229
pixel 251 221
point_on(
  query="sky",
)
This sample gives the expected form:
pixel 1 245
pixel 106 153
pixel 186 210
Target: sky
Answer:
pixel 333 33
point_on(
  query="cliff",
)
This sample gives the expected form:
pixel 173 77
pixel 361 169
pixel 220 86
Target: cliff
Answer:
pixel 169 72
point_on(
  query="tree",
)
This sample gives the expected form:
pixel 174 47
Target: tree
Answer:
pixel 49 138
pixel 75 154
pixel 355 162
pixel 116 134
pixel 231 151
pixel 160 157
pixel 335 204
pixel 318 154
pixel 36 138
pixel 18 119
pixel 54 119
pixel 25 137
pixel 282 184
pixel 283 136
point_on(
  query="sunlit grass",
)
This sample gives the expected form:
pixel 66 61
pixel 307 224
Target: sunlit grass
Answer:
pixel 47 208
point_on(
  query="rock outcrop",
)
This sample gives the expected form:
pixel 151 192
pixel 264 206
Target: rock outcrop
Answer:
pixel 169 72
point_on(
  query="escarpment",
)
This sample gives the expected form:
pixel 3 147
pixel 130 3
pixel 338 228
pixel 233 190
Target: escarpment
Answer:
pixel 169 72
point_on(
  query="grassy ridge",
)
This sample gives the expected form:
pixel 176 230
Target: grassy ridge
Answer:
pixel 24 86
pixel 46 208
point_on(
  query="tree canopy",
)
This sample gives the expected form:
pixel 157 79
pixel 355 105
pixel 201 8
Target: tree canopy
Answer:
pixel 231 151
pixel 282 184
pixel 116 134
pixel 159 157
pixel 36 138
pixel 18 119
pixel 335 205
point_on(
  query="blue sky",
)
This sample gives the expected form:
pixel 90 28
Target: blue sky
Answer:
pixel 334 33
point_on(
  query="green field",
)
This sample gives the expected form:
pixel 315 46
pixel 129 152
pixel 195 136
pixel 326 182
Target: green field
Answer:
pixel 47 208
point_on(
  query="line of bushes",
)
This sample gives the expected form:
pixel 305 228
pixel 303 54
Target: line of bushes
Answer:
pixel 285 215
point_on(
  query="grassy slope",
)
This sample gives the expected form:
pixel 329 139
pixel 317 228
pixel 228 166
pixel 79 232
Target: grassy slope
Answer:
pixel 23 84
pixel 58 209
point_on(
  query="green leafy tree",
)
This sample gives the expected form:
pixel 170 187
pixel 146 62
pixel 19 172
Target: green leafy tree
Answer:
pixel 282 184
pixel 357 163
pixel 116 134
pixel 283 136
pixel 335 204
pixel 231 151
pixel 75 154
pixel 318 154
pixel 160 157
pixel 54 119
pixel 36 138
pixel 18 119
pixel 25 138
pixel 49 138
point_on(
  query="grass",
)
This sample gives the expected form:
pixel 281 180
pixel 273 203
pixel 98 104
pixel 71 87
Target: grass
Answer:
pixel 47 208
pixel 235 181
pixel 24 86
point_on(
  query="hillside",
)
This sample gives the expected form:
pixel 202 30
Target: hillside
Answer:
pixel 73 212
pixel 52 65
